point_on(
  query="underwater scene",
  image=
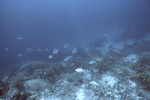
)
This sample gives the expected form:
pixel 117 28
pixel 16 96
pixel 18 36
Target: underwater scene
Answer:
pixel 74 49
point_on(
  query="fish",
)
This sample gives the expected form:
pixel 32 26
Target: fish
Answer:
pixel 94 83
pixel 46 49
pixel 92 62
pixel 99 59
pixel 30 49
pixel 6 49
pixel 50 56
pixel 68 58
pixel 63 64
pixel 39 50
pixel 19 38
pixel 20 55
pixel 106 35
pixel 74 50
pixel 80 70
pixel 66 45
pixel 55 51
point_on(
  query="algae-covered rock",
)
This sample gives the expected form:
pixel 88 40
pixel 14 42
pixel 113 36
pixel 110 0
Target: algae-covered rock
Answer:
pixel 34 65
pixel 142 70
pixel 35 84
pixel 17 81
pixel 105 64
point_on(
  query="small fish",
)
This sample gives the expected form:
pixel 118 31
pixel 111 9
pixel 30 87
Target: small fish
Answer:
pixel 55 51
pixel 63 64
pixel 80 70
pixel 92 62
pixel 68 58
pixel 50 56
pixel 30 49
pixel 39 50
pixel 6 49
pixel 20 55
pixel 19 38
pixel 74 50
pixel 94 83
pixel 46 49
pixel 66 46
pixel 99 59
pixel 106 35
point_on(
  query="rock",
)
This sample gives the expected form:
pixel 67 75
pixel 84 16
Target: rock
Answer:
pixel 35 84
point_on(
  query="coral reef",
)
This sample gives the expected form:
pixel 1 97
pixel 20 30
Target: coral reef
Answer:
pixel 117 74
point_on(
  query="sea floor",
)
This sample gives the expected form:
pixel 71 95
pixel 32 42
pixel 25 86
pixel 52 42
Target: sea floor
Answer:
pixel 119 71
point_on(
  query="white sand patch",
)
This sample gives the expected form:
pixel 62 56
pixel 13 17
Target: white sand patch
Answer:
pixel 131 58
pixel 80 94
pixel 109 80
